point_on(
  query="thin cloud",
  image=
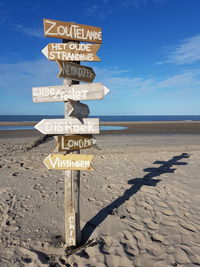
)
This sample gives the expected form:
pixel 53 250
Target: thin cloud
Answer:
pixel 21 77
pixel 91 10
pixel 28 31
pixel 188 52
pixel 105 8
pixel 185 82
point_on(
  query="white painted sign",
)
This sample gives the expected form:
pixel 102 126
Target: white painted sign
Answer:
pixel 75 92
pixel 68 126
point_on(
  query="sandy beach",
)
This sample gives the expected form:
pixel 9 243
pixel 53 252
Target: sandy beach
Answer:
pixel 140 207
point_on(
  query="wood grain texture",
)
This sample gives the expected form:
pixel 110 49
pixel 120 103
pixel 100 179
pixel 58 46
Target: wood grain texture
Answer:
pixel 76 72
pixel 77 109
pixel 71 51
pixel 74 142
pixel 75 92
pixel 68 126
pixel 55 161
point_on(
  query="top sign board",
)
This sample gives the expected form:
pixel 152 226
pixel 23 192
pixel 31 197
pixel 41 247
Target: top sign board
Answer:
pixel 72 31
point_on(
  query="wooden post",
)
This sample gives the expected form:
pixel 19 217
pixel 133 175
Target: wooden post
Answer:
pixel 72 107
pixel 72 194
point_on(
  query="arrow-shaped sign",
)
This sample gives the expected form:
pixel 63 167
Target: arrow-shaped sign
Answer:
pixel 69 162
pixel 77 109
pixel 73 142
pixel 72 31
pixel 75 92
pixel 68 126
pixel 71 52
pixel 76 72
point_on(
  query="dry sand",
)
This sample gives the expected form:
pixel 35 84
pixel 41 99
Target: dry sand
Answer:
pixel 140 207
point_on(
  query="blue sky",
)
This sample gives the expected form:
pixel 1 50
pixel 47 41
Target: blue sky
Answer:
pixel 150 55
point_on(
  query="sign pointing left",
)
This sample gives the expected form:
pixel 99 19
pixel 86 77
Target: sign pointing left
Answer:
pixel 68 126
pixel 69 162
pixel 71 51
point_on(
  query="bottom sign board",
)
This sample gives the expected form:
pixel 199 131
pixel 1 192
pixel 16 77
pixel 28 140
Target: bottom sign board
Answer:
pixel 71 229
pixel 56 161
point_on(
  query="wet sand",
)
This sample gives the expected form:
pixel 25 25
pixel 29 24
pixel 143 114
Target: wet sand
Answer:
pixel 176 127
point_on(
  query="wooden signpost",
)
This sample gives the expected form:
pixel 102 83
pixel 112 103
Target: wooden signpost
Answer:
pixel 74 142
pixel 71 52
pixel 91 91
pixel 75 72
pixel 73 130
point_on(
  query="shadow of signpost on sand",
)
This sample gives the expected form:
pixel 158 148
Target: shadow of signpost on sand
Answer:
pixel 137 183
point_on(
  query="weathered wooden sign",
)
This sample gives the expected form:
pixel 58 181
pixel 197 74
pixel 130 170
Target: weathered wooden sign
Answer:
pixel 75 72
pixel 72 31
pixel 75 92
pixel 77 109
pixel 74 142
pixel 56 161
pixel 71 52
pixel 68 126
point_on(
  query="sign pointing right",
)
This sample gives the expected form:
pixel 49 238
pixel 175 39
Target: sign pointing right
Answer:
pixel 75 92
pixel 74 142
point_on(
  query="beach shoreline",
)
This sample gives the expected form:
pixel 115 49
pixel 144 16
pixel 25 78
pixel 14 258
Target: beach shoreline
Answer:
pixel 139 127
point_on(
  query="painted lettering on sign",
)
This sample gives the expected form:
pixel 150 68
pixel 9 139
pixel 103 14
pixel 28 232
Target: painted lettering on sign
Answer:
pixel 74 142
pixel 60 94
pixel 75 72
pixel 68 126
pixel 71 51
pixel 56 161
pixel 71 230
pixel 72 31
pixel 74 92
